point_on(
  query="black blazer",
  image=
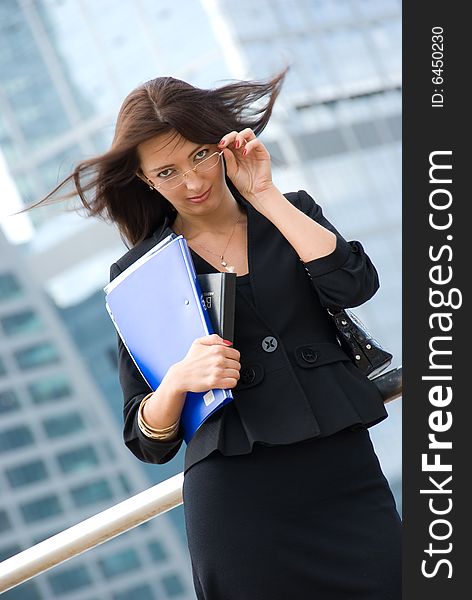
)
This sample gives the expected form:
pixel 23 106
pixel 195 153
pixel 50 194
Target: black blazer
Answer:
pixel 307 386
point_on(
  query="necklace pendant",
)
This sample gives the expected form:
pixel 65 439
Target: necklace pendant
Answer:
pixel 224 263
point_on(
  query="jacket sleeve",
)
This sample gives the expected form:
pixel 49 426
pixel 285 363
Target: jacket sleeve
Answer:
pixel 134 389
pixel 346 277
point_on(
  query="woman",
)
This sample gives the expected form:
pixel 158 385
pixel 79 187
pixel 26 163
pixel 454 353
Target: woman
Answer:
pixel 284 496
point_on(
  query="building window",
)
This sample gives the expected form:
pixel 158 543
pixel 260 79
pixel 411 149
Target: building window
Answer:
pixel 9 551
pixel 367 134
pixel 119 562
pixel 26 321
pixel 322 143
pixel 125 484
pixel 157 551
pixel 5 524
pixel 9 287
pixel 326 12
pixel 46 534
pixel 26 474
pixel 143 592
pixel 63 425
pixel 43 508
pixel 78 460
pixel 91 493
pixel 350 56
pixel 17 437
pixel 38 355
pixel 25 591
pixel 8 401
pixel 394 124
pixel 173 585
pixel 110 453
pixel 69 580
pixel 50 389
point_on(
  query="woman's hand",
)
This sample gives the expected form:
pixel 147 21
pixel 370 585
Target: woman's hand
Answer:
pixel 208 364
pixel 247 163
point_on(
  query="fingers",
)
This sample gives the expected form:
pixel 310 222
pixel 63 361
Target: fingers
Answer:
pixel 232 373
pixel 233 363
pixel 249 146
pixel 243 143
pixel 215 340
pixel 228 382
pixel 209 340
pixel 228 355
pixel 237 139
pixel 226 372
pixel 230 378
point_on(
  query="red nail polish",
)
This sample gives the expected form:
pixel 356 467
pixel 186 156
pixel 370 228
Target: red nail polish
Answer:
pixel 244 152
pixel 227 342
pixel 221 143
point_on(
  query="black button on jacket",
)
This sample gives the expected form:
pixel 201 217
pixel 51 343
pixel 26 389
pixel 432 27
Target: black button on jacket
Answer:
pixel 296 382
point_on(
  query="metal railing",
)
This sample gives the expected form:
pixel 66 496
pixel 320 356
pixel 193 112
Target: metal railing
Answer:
pixel 122 517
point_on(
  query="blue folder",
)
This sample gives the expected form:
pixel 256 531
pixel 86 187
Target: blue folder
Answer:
pixel 158 309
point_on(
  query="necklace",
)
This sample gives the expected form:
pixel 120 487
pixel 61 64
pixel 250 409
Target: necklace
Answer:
pixel 229 268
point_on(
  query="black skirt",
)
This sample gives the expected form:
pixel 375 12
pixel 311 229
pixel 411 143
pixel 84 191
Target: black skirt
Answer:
pixel 310 520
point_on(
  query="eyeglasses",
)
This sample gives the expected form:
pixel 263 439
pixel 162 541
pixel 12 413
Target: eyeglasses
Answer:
pixel 206 164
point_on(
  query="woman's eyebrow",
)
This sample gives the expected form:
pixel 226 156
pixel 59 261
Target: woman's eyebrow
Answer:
pixel 166 166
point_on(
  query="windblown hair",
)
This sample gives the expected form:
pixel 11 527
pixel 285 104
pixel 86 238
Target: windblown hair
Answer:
pixel 107 184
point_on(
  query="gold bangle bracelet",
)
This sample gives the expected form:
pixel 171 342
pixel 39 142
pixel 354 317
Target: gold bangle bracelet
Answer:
pixel 157 436
pixel 164 437
pixel 152 432
pixel 141 412
pixel 154 429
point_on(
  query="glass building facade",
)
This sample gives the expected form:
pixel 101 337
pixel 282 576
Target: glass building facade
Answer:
pixel 65 67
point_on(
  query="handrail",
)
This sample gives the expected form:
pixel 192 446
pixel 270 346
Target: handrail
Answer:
pixel 390 384
pixel 90 533
pixel 123 516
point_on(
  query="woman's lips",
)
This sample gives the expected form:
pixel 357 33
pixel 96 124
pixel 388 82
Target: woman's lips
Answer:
pixel 201 198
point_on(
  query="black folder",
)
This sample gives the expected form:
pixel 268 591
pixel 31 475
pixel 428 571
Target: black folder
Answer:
pixel 219 296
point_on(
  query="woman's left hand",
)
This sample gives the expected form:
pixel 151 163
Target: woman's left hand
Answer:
pixel 247 163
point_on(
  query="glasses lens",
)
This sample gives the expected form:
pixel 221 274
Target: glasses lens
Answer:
pixel 172 182
pixel 209 163
pixel 205 165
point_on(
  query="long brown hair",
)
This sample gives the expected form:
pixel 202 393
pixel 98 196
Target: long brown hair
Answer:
pixel 160 106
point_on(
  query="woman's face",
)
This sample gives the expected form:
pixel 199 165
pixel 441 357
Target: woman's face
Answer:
pixel 202 190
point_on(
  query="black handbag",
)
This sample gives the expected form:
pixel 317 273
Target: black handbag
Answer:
pixel 364 351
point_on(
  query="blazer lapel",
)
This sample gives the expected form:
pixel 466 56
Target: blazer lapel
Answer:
pixel 163 231
pixel 272 264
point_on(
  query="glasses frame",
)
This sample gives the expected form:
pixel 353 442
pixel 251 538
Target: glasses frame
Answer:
pixel 160 185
